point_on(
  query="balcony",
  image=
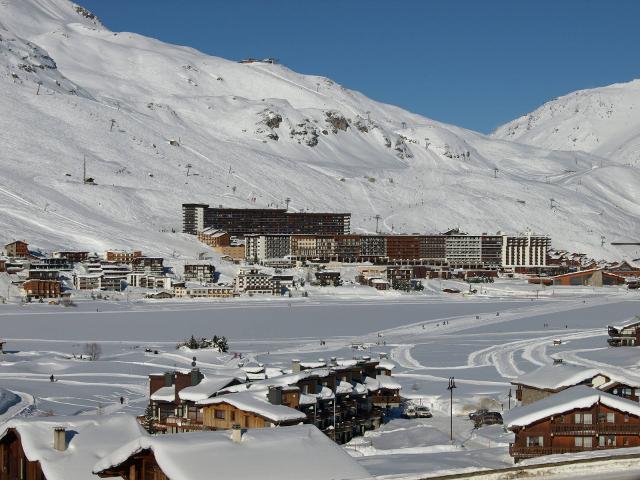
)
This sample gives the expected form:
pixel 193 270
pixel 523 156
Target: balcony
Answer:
pixel 520 452
pixel 596 429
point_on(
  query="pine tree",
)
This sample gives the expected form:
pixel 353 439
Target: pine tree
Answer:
pixel 148 420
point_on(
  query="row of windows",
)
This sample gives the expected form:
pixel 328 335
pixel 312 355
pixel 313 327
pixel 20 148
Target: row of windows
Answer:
pixel 584 442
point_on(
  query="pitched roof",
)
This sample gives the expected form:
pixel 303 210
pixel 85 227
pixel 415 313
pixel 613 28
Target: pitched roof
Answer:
pixel 89 438
pixel 256 402
pixel 208 386
pixel 556 376
pixel 572 398
pixel 286 453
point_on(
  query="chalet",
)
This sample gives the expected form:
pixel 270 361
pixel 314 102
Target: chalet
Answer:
pixel 287 453
pixel 551 379
pixel 327 278
pixel 625 335
pixel 249 410
pixel 161 295
pixel 575 420
pixel 199 272
pixel 625 269
pixel 17 249
pixel 87 281
pixel 384 391
pixel 37 273
pixel 61 448
pixel 174 395
pixel 42 288
pixel 378 283
pixel 596 277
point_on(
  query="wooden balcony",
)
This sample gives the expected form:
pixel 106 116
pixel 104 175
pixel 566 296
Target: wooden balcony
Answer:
pixel 596 429
pixel 519 452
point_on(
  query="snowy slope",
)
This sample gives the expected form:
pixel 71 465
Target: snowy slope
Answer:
pixel 604 121
pixel 253 135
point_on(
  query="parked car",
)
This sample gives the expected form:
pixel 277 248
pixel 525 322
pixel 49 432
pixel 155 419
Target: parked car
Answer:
pixel 479 412
pixel 412 410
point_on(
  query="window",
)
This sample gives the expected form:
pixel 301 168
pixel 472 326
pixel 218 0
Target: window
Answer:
pixel 611 417
pixel 607 441
pixel 219 414
pixel 246 422
pixel 587 442
pixel 535 441
pixel 233 416
pixel 578 441
pixel 585 418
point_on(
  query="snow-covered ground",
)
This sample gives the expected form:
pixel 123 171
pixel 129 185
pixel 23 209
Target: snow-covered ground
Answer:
pixel 483 342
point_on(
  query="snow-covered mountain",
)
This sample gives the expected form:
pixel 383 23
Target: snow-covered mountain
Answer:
pixel 604 121
pixel 160 125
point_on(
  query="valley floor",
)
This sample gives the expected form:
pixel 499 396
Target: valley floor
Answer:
pixel 482 342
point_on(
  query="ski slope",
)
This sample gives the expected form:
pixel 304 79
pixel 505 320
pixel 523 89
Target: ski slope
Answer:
pixel 253 135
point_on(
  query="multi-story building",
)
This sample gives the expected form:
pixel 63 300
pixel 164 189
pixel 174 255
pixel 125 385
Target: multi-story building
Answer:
pixel 403 248
pixel 72 256
pixel 148 265
pixel 42 288
pixel 246 221
pixel 193 217
pixel 347 248
pixel 143 280
pixel 253 281
pixel 433 249
pixel 122 256
pixel 259 248
pixel 304 246
pixel 199 272
pixel 491 251
pixel 214 237
pixel 525 251
pixel 463 251
pixel 17 249
pixel 373 248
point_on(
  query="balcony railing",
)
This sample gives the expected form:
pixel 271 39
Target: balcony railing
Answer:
pixel 529 452
pixel 596 429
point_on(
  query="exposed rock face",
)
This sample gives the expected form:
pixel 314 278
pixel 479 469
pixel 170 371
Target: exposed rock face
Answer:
pixel 337 121
pixel 305 133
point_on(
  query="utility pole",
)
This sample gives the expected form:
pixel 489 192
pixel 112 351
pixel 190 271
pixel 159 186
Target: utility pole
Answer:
pixel 377 217
pixel 452 385
pixel 287 201
pixel 495 172
pixel 39 85
pixel 84 170
pixel 113 122
pixel 509 396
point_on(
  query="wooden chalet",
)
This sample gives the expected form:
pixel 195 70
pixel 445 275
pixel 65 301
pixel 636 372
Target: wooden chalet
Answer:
pixel 575 420
pixel 626 335
pixel 61 448
pixel 17 249
pixel 287 453
pixel 550 379
pixel 625 269
pixel 214 237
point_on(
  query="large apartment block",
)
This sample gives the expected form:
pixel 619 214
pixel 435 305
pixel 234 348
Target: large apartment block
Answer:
pixel 454 250
pixel 246 221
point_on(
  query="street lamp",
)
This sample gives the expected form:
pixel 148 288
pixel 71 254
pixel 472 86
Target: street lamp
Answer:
pixel 452 385
pixel 510 395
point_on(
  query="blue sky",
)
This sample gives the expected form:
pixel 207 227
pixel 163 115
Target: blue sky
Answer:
pixel 472 63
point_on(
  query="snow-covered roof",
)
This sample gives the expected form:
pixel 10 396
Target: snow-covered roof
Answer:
pixel 381 381
pixel 556 376
pixel 257 403
pixel 88 438
pixel 577 397
pixel 286 453
pixel 386 364
pixel 164 394
pixel 318 364
pixel 208 386
pixel 344 387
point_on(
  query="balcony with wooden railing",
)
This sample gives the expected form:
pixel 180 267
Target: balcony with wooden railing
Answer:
pixel 520 452
pixel 596 429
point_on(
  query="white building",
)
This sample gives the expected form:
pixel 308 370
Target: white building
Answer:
pixel 259 248
pixel 525 250
pixel 251 280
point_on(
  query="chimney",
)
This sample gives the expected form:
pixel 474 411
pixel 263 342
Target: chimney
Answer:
pixel 60 439
pixel 236 433
pixel 196 376
pixel 295 366
pixel 275 395
pixel 334 361
pixel 168 379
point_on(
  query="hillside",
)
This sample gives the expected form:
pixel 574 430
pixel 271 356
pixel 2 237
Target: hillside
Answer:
pixel 253 135
pixel 603 121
